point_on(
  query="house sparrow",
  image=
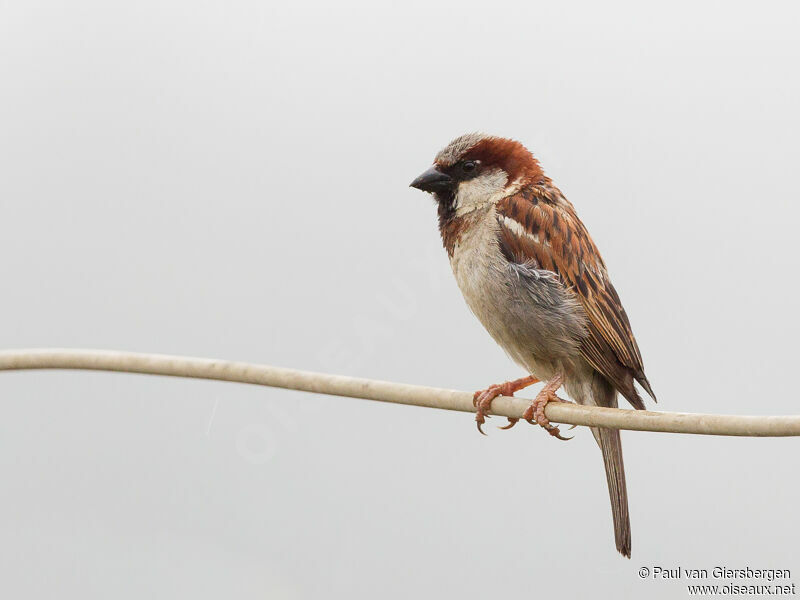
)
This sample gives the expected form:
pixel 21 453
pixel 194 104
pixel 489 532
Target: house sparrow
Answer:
pixel 531 273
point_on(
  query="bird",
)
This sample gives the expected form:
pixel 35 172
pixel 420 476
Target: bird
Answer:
pixel 532 275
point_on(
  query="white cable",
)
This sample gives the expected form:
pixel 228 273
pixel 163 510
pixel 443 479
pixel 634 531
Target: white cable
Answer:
pixel 385 391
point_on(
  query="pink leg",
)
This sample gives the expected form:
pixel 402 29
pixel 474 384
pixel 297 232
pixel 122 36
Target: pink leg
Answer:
pixel 535 413
pixel 482 399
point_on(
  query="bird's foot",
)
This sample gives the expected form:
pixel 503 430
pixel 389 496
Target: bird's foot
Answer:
pixel 482 399
pixel 535 412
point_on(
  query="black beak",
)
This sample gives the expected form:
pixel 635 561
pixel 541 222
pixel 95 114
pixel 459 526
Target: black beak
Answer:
pixel 433 180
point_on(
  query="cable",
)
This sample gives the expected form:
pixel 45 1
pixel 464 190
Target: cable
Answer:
pixel 385 391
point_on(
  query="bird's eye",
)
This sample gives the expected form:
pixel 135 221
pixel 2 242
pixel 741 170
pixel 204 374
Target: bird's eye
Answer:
pixel 469 166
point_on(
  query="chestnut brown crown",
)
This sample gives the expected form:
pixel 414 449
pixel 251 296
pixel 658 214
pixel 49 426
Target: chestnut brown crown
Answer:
pixel 475 154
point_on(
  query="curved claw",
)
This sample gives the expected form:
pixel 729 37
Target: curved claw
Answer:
pixel 557 434
pixel 511 422
pixel 482 399
pixel 480 419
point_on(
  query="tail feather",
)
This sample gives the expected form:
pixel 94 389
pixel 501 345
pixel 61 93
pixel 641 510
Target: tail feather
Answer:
pixel 611 446
pixel 603 394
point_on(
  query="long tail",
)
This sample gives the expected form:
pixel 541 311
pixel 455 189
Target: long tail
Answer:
pixel 611 447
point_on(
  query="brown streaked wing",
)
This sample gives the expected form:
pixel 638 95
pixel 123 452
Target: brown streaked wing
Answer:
pixel 539 225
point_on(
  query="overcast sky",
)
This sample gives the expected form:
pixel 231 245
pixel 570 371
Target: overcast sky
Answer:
pixel 230 179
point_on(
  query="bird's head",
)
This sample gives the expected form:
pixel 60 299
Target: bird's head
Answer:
pixel 475 169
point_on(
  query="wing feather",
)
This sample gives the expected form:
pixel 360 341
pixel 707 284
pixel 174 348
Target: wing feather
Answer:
pixel 538 224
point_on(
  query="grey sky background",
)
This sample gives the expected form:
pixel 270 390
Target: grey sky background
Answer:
pixel 230 179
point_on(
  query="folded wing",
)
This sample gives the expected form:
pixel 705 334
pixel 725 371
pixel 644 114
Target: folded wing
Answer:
pixel 538 225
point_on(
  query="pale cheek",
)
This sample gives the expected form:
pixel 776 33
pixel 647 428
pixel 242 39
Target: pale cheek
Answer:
pixel 481 190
